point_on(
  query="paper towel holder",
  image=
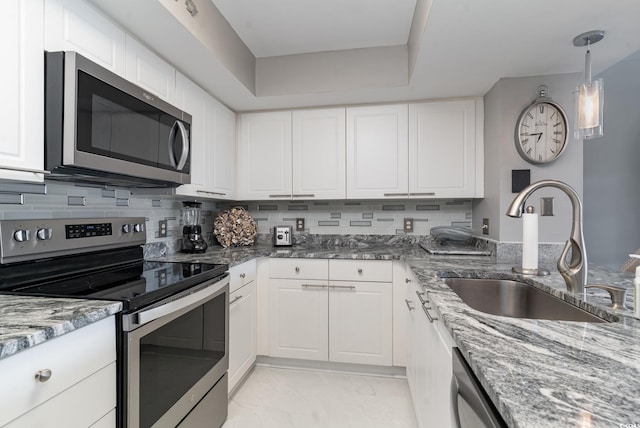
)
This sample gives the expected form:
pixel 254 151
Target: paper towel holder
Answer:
pixel 524 271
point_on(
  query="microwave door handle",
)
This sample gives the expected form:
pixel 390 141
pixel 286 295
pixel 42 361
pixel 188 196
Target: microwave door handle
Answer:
pixel 185 145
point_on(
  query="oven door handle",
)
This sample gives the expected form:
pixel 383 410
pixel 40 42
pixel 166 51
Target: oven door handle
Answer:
pixel 152 314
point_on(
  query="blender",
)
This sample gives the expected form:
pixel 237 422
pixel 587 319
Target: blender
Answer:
pixel 192 239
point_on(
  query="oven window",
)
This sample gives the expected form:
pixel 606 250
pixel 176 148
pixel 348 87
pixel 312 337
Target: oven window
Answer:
pixel 176 356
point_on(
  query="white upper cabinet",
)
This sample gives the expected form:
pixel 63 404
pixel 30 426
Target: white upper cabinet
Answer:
pixel 212 143
pixel 22 88
pixel 147 70
pixel 192 99
pixel 265 155
pixel 377 146
pixel 72 25
pixel 443 149
pixel 222 171
pixel 319 154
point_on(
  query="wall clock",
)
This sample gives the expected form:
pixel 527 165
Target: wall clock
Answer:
pixel 541 130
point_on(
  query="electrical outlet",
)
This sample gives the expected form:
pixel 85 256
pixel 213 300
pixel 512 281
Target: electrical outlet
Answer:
pixel 300 224
pixel 485 226
pixel 162 229
pixel 408 225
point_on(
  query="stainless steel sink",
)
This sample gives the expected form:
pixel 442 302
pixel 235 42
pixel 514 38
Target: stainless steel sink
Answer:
pixel 516 299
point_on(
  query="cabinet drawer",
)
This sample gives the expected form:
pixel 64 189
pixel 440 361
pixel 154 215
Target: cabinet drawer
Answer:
pixel 241 275
pixel 64 410
pixel 298 269
pixel 360 270
pixel 71 358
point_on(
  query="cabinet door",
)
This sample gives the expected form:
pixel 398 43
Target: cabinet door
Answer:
pixel 298 319
pixel 22 88
pixel 360 322
pixel 377 144
pixel 74 25
pixel 319 154
pixel 412 306
pixel 442 149
pixel 222 171
pixel 242 333
pixel 192 99
pixel 147 70
pixel 265 156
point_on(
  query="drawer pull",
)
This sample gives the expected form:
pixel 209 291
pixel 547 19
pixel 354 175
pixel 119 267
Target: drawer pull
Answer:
pixel 360 271
pixel 422 300
pixel 297 269
pixel 43 375
pixel 242 275
pixel 407 280
pixel 431 317
pixel 235 300
pixel 313 286
pixel 408 302
pixel 346 287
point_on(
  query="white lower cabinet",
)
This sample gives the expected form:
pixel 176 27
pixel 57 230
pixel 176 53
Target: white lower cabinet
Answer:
pixel 81 390
pixel 242 332
pixel 336 310
pixel 429 361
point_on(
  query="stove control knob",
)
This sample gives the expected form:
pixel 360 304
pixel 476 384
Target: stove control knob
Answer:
pixel 22 235
pixel 44 233
pixel 126 228
pixel 138 227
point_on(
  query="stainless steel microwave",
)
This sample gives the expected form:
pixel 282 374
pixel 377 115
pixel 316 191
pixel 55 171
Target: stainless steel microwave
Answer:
pixel 102 128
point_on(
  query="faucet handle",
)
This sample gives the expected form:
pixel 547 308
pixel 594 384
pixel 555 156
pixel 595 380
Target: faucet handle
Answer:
pixel 616 293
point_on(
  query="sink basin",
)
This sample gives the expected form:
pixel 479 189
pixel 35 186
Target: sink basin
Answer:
pixel 516 299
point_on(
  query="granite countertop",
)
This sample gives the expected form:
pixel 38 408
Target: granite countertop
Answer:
pixel 538 373
pixel 28 321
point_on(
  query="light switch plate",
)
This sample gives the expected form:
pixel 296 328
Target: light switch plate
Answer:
pixel 547 206
pixel 485 226
pixel 408 225
pixel 162 229
pixel 300 224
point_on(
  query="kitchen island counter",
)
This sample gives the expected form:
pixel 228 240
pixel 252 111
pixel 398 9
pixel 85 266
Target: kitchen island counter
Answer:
pixel 538 373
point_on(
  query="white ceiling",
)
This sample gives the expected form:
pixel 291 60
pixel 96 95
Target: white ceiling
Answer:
pixel 285 27
pixel 467 45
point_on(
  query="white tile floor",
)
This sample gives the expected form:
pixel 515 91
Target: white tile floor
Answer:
pixel 292 398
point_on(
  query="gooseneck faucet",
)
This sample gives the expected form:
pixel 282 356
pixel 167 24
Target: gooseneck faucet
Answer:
pixel 574 272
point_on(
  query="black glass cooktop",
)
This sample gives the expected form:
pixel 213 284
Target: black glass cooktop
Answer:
pixel 120 275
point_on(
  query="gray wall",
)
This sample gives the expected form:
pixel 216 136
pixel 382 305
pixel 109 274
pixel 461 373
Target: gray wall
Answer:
pixel 503 104
pixel 612 169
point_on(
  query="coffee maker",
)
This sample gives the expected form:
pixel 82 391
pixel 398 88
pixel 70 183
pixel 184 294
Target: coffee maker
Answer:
pixel 192 239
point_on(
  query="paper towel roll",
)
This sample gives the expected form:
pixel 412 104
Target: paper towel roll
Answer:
pixel 530 241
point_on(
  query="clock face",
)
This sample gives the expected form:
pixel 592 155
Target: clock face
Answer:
pixel 541 132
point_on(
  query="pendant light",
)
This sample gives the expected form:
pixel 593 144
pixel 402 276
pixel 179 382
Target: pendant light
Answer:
pixel 589 97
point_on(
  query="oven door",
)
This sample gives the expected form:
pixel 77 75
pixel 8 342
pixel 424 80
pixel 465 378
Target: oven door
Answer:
pixel 175 353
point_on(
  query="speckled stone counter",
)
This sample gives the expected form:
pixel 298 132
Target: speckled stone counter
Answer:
pixel 28 321
pixel 538 373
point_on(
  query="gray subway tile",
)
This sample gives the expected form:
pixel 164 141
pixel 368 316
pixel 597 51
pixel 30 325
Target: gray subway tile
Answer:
pixel 367 215
pixel 360 223
pixel 328 223
pixel 429 207
pixel 336 215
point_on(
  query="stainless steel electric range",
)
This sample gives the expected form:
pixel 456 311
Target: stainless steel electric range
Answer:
pixel 174 328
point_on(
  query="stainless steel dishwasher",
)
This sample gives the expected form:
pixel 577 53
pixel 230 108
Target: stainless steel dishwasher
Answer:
pixel 472 408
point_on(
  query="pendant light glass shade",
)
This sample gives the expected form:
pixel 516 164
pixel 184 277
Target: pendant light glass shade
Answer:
pixel 589 107
pixel 589 97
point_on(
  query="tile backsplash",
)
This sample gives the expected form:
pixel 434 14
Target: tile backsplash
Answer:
pixel 361 217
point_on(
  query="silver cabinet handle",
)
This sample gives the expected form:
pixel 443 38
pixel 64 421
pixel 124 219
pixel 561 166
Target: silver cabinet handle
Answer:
pixel 243 275
pixel 35 171
pixel 396 194
pixel 279 196
pixel 211 193
pixel 43 375
pixel 313 286
pixel 360 271
pixel 407 280
pixel 408 302
pixel 431 317
pixel 235 300
pixel 346 287
pixel 423 194
pixel 422 300
pixel 302 195
pixel 185 145
pixel 297 269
